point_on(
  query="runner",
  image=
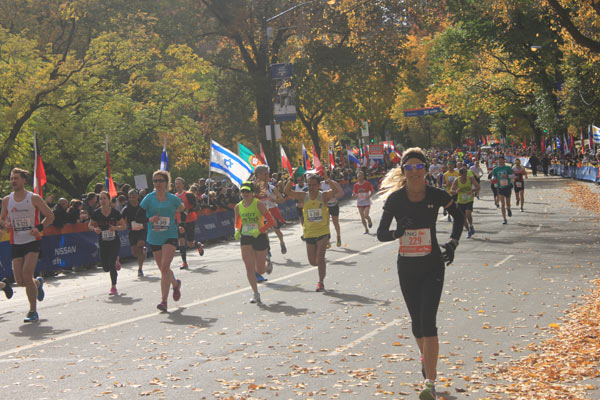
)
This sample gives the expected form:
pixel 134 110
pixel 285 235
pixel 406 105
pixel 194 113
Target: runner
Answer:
pixel 421 268
pixel 464 188
pixel 362 191
pixel 502 176
pixel 269 195
pixel 137 230
pixel 252 221
pixel 477 174
pixel 316 221
pixel 449 177
pixel 20 215
pixel 520 176
pixel 435 170
pixel 105 222
pixel 189 200
pixel 334 210
pixel 159 207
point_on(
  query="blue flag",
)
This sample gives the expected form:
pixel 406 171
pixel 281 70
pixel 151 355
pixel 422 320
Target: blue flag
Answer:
pixel 164 159
pixel 226 162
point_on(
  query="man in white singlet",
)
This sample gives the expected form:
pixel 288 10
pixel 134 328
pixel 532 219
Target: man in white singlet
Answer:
pixel 21 216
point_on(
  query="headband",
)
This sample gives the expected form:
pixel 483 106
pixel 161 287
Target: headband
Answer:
pixel 413 154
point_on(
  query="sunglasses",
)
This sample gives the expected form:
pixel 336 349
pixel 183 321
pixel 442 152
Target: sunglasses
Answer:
pixel 158 180
pixel 410 167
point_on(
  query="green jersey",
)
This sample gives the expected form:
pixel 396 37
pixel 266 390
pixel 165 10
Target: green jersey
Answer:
pixel 504 176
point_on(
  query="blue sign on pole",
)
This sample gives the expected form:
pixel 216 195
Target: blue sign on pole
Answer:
pixel 422 111
pixel 281 71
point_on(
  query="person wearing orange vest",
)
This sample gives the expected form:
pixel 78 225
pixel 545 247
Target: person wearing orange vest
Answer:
pixel 189 200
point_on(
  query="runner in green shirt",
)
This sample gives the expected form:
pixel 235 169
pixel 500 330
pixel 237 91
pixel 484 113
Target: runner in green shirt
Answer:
pixel 502 177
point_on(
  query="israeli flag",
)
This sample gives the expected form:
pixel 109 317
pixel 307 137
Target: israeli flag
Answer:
pixel 164 159
pixel 226 162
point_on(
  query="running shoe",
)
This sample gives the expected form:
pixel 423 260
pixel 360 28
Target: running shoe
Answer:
pixel 255 298
pixel 472 230
pixel 517 201
pixel 140 273
pixel 269 266
pixel 283 248
pixel 113 291
pixel 260 278
pixel 200 249
pixel 184 265
pixel 118 265
pixel 505 222
pixel 497 205
pixel 522 209
pixel 41 293
pixel 509 212
pixel 366 232
pixel 370 223
pixel 469 235
pixel 177 290
pixel 339 242
pixel 162 306
pixel 320 287
pixel 8 290
pixel 32 316
pixel 428 392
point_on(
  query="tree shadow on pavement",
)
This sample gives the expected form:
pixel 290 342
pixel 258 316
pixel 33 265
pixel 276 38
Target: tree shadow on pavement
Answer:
pixel 344 298
pixel 281 308
pixel 122 299
pixel 178 318
pixel 38 331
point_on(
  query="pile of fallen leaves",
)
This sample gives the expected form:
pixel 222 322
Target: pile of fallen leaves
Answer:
pixel 583 197
pixel 563 366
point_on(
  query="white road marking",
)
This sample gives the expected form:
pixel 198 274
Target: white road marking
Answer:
pixel 153 314
pixel 505 260
pixel 361 339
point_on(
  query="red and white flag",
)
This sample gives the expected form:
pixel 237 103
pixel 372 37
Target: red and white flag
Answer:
pixel 110 185
pixel 285 161
pixel 262 155
pixel 331 159
pixel 317 162
pixel 39 174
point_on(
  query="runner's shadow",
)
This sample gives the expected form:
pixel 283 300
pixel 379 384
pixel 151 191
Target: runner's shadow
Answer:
pixel 202 270
pixel 3 314
pixel 178 318
pixel 285 288
pixel 344 298
pixel 346 263
pixel 122 299
pixel 344 250
pixel 281 308
pixel 290 263
pixel 38 331
pixel 149 278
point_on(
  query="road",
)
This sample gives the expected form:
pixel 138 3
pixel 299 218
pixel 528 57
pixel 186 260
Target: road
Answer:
pixel 505 287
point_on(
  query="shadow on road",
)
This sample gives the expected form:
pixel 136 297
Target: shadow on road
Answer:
pixel 38 331
pixel 344 298
pixel 202 270
pixel 122 299
pixel 282 308
pixel 178 318
pixel 286 288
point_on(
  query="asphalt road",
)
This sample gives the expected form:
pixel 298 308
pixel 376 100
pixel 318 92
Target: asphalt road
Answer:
pixel 506 286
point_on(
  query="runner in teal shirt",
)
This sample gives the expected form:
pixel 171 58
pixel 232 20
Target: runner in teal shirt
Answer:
pixel 166 227
pixel 502 177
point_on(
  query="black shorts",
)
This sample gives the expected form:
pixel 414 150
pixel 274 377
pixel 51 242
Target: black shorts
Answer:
pixel 464 207
pixel 477 179
pixel 19 250
pixel 189 233
pixel 259 243
pixel 137 236
pixel 518 189
pixel 334 211
pixel 506 192
pixel 316 239
pixel 158 247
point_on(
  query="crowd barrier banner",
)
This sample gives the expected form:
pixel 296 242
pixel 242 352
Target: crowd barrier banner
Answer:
pixel 585 172
pixel 75 245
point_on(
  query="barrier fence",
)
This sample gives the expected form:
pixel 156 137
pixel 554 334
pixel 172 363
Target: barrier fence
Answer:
pixel 75 244
pixel 585 172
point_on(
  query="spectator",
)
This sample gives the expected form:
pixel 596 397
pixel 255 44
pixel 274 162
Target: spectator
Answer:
pixel 60 213
pixel 98 187
pixel 74 211
pixel 202 189
pixel 50 200
pixel 90 204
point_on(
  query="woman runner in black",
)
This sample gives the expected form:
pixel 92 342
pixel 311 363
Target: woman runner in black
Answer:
pixel 415 207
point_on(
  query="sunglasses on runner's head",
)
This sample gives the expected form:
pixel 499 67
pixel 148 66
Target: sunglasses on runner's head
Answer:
pixel 158 180
pixel 410 167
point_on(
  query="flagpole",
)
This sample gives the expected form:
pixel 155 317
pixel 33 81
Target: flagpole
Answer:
pixel 209 169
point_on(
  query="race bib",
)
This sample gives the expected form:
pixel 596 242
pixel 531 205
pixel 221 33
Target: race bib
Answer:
pixel 465 197
pixel 108 235
pixel 363 195
pixel 22 224
pixel 135 226
pixel 415 243
pixel 519 184
pixel 314 215
pixel 504 182
pixel 451 179
pixel 247 228
pixel 162 224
